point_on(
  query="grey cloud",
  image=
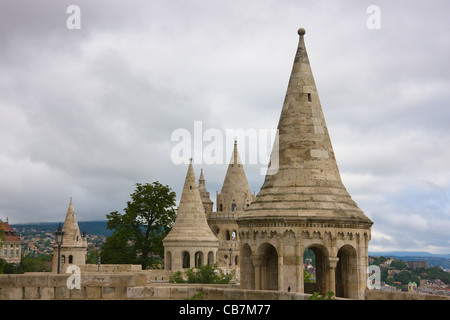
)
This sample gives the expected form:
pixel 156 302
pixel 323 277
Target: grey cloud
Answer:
pixel 88 113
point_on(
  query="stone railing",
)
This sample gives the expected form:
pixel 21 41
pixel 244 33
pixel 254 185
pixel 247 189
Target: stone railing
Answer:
pixel 150 285
pixel 400 295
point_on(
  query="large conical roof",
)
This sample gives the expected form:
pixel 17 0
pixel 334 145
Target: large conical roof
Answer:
pixel 72 235
pixel 307 182
pixel 190 223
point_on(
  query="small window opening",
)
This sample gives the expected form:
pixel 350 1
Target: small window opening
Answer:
pixel 309 97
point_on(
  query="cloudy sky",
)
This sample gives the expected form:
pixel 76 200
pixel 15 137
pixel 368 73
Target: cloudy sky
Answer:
pixel 87 113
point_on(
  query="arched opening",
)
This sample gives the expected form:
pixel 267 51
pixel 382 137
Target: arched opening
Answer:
pixel 168 260
pixel 314 264
pixel 233 235
pixel 266 268
pixel 210 258
pixel 186 259
pixel 228 236
pixel 215 230
pixel 70 259
pixel 347 273
pixel 198 259
pixel 233 207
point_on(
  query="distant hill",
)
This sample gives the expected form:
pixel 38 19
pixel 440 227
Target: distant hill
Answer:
pixel 441 260
pixel 91 227
pixel 409 254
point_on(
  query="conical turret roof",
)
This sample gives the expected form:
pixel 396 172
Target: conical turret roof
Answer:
pixel 235 188
pixel 235 180
pixel 307 182
pixel 190 223
pixel 72 235
pixel 204 194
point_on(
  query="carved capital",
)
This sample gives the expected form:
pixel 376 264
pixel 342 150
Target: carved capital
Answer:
pixel 332 262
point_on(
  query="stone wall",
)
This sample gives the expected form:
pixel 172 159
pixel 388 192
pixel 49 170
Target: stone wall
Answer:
pixel 54 286
pixel 148 285
pixel 400 295
pixel 111 268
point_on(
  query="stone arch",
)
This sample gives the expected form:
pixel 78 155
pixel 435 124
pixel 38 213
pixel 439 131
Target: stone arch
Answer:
pixel 199 259
pixel 266 267
pixel 321 255
pixel 347 272
pixel 215 229
pixel 186 259
pixel 211 258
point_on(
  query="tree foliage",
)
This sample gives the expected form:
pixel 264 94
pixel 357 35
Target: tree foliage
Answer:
pixel 202 274
pixel 139 231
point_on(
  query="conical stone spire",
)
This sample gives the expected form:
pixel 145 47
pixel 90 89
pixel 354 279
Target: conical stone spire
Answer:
pixel 204 194
pixel 235 188
pixel 72 235
pixel 190 223
pixel 307 182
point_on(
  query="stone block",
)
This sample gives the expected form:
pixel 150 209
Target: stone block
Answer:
pixel 29 280
pixel 125 280
pixel 178 292
pixel 162 292
pixel 108 292
pixel 93 293
pixel 62 293
pixel 57 280
pixel 78 294
pixel 11 293
pixel 47 293
pixel 8 280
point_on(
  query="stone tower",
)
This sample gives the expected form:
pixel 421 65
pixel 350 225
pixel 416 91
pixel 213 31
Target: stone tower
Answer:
pixel 74 246
pixel 234 198
pixel 204 194
pixel 191 242
pixel 304 205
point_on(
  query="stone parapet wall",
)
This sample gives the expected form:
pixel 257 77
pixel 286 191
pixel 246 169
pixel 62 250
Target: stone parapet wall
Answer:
pixel 143 286
pixel 400 295
pixel 54 286
pixel 111 268
pixel 208 292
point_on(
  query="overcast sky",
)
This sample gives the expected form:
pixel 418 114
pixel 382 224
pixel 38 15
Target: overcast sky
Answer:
pixel 87 113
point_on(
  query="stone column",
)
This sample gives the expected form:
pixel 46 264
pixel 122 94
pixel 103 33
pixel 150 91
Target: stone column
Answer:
pixel 299 259
pixel 192 259
pixel 332 263
pixel 257 263
pixel 280 267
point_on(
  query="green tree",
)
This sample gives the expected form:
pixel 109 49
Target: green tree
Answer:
pixel 2 265
pixel 307 277
pixel 398 264
pixel 202 274
pixel 139 231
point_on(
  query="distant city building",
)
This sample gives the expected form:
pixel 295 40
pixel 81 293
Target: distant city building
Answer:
pixel 12 245
pixel 417 264
pixel 412 286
